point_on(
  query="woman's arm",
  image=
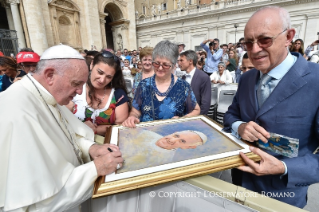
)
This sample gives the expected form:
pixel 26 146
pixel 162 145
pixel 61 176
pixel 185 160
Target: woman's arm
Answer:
pixel 121 113
pixel 195 112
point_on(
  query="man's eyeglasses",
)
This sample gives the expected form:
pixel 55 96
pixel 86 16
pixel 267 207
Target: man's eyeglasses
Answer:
pixel 107 54
pixel 164 66
pixel 264 42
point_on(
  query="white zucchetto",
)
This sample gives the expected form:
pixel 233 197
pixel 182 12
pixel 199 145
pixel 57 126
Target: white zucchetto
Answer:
pixel 61 52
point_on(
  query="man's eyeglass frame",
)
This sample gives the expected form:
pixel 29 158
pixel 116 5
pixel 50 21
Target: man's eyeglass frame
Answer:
pixel 250 44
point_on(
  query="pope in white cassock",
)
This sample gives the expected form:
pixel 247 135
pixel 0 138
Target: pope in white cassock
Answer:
pixel 49 161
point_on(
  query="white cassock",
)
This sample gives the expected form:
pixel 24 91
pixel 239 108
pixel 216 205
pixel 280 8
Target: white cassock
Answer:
pixel 39 168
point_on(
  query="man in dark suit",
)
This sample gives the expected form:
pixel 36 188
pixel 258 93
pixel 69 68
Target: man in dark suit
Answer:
pixel 280 96
pixel 199 81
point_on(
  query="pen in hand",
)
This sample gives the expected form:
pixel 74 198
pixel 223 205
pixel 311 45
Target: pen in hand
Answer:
pixel 110 150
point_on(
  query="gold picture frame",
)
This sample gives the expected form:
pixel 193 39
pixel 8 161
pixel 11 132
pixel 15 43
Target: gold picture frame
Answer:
pixel 147 177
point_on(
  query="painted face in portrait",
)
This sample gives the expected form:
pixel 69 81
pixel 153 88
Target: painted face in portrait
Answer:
pixel 101 75
pixel 183 140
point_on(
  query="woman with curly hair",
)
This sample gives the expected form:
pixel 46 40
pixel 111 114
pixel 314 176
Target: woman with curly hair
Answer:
pixel 104 100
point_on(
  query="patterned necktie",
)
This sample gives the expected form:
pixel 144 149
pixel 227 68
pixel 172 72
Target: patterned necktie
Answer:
pixel 264 89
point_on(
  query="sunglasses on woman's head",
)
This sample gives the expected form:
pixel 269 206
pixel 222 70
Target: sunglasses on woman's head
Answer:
pixel 107 54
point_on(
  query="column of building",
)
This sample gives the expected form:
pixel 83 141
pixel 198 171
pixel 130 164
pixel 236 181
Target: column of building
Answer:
pixel 36 25
pixel 14 20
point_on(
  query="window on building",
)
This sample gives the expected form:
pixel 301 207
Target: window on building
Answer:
pixel 164 6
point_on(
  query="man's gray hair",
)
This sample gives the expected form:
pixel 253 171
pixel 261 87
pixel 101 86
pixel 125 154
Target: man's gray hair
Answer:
pixel 166 49
pixel 190 55
pixel 283 13
pixel 57 64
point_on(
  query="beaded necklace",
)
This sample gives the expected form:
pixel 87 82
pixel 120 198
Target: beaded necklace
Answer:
pixel 157 91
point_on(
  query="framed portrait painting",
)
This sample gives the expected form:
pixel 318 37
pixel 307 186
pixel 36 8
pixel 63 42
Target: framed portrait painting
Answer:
pixel 162 151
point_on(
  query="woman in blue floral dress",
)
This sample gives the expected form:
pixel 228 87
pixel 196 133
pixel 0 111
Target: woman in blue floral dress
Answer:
pixel 162 96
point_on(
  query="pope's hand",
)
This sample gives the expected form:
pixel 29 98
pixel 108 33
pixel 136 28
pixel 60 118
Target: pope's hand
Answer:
pixel 97 150
pixel 251 132
pixel 130 122
pixel 268 165
pixel 107 164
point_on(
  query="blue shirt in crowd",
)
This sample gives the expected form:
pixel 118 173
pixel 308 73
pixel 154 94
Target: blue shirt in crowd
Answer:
pixel 212 59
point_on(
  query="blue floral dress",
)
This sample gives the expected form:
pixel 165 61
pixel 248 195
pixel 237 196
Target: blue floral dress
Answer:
pixel 179 101
pixel 137 80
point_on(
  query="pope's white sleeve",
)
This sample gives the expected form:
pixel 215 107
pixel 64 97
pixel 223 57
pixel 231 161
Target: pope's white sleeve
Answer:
pixel 84 145
pixel 78 188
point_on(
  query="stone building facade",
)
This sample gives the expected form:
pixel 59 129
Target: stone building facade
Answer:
pixel 78 23
pixel 119 24
pixel 192 21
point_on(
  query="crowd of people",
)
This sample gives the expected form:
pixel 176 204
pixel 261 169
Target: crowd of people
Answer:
pixel 169 82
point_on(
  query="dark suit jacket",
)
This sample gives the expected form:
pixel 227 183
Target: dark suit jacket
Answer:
pixel 292 109
pixel 201 87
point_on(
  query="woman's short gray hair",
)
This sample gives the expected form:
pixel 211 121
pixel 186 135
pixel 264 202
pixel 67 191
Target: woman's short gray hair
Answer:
pixel 222 64
pixel 166 49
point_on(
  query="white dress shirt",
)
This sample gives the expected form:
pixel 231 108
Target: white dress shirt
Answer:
pixel 189 76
